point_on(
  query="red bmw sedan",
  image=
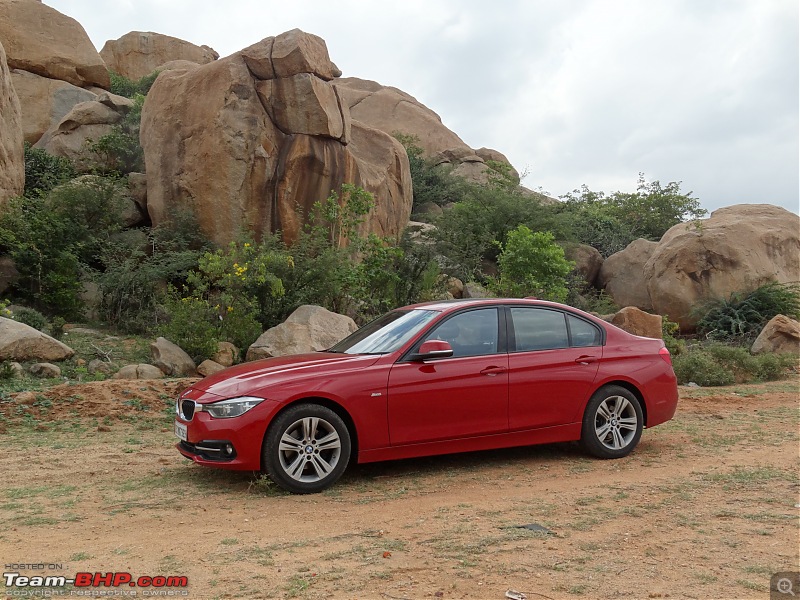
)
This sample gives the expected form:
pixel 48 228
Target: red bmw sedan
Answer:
pixel 427 379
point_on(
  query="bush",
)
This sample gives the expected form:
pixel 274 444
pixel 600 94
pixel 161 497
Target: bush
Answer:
pixel 122 86
pixel 743 315
pixel 532 264
pixel 56 239
pixel 120 152
pixel 722 364
pixel 132 280
pixel 30 317
pixel 44 171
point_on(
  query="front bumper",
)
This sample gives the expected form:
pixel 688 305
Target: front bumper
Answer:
pixel 233 443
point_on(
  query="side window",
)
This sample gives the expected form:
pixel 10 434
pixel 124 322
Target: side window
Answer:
pixel 582 333
pixel 473 333
pixel 539 329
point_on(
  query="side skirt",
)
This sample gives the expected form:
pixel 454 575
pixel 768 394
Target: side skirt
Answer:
pixel 530 437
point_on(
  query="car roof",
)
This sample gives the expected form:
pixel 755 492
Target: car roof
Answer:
pixel 450 305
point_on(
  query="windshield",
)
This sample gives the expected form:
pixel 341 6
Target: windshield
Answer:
pixel 385 334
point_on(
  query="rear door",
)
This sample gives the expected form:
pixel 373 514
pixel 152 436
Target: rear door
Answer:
pixel 553 361
pixel 462 396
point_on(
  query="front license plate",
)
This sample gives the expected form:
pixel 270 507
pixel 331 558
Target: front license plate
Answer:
pixel 180 430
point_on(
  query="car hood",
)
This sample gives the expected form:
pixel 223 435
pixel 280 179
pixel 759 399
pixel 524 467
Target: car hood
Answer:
pixel 245 378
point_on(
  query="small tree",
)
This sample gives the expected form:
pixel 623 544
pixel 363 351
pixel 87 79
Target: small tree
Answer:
pixel 531 263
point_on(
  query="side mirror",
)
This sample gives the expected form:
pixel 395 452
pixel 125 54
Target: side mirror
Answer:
pixel 433 349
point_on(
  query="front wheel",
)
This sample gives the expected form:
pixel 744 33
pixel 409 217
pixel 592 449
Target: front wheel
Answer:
pixel 306 449
pixel 612 423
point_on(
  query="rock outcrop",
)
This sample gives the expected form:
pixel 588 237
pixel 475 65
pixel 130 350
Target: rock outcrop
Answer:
pixel 21 342
pixel 308 329
pixel 140 371
pixel 139 53
pixel 84 123
pixel 41 40
pixel 736 249
pixel 622 275
pixel 638 322
pixel 12 159
pixel 46 102
pixel 393 111
pixel 588 260
pixel 171 359
pixel 780 336
pixel 279 139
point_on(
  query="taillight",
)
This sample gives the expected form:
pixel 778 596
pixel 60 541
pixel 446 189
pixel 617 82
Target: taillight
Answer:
pixel 664 353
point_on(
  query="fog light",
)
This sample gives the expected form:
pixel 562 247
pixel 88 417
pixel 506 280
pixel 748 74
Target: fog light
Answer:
pixel 228 449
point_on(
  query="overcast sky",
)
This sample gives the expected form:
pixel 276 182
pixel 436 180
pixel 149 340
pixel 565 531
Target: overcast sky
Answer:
pixel 573 91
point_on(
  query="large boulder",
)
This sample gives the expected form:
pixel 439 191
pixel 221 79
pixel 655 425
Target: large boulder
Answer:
pixel 780 336
pixel 12 159
pixel 171 359
pixel 140 371
pixel 638 322
pixel 737 249
pixel 622 275
pixel 84 123
pixel 279 140
pixel 46 101
pixel 139 53
pixel 392 110
pixel 41 40
pixel 587 259
pixel 22 342
pixel 308 329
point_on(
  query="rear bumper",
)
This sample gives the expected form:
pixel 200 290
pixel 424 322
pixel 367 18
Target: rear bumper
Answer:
pixel 663 399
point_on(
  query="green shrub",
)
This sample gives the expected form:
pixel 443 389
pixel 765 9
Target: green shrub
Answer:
pixel 723 364
pixel 743 315
pixel 122 86
pixel 190 324
pixel 30 317
pixel 44 171
pixel 701 368
pixel 119 152
pixel 57 238
pixel 668 331
pixel 532 264
pixel 132 280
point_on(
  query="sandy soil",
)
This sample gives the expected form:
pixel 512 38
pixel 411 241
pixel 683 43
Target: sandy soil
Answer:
pixel 706 507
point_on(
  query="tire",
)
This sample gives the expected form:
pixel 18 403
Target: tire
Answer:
pixel 306 449
pixel 612 423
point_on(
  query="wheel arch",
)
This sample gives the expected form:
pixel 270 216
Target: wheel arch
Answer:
pixel 633 389
pixel 327 403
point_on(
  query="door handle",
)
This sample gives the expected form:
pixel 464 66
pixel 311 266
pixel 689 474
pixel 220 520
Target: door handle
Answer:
pixel 585 360
pixel 492 371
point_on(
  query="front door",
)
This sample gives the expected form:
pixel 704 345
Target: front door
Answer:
pixel 461 396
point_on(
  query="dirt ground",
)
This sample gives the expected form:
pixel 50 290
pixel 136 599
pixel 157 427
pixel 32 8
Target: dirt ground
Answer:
pixel 706 507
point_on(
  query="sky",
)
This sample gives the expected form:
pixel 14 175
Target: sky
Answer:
pixel 573 92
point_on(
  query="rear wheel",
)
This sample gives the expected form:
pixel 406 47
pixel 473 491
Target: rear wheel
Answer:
pixel 612 423
pixel 307 449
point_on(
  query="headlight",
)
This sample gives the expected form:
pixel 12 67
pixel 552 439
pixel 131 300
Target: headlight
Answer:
pixel 231 408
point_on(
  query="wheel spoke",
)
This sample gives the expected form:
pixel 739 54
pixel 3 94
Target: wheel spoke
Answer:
pixel 618 441
pixel 602 431
pixel 629 423
pixel 329 442
pixel 290 444
pixel 321 466
pixel 310 428
pixel 621 405
pixel 295 470
pixel 603 411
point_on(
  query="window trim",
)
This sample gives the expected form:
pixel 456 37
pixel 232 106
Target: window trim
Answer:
pixel 502 342
pixel 512 336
